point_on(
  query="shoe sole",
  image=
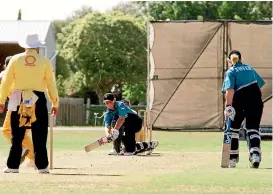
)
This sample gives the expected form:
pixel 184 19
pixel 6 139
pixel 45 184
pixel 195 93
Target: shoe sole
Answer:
pixel 24 156
pixel 11 172
pixel 113 154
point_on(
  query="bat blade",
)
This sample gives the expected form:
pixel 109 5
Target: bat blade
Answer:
pixel 226 146
pixel 94 144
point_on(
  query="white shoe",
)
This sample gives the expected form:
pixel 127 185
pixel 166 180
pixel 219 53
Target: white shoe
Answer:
pixel 153 146
pixel 10 170
pixel 44 171
pixel 24 154
pixel 255 161
pixel 232 163
pixel 113 152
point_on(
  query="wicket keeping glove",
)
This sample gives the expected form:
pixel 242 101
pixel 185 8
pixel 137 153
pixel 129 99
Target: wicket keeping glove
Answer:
pixel 230 112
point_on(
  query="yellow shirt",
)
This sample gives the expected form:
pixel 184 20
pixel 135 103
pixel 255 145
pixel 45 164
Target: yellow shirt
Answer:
pixel 30 71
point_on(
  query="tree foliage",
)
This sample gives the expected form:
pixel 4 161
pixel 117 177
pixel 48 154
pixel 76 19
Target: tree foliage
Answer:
pixel 135 92
pixel 106 49
pixel 80 13
pixel 208 10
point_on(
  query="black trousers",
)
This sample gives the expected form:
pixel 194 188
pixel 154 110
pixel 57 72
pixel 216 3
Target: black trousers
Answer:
pixel 39 135
pixel 132 125
pixel 248 105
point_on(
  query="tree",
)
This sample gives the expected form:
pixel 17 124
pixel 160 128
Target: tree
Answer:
pixel 57 26
pixel 80 13
pixel 208 10
pixel 135 92
pixel 105 49
pixel 62 68
pixel 19 17
pixel 131 8
pixel 60 82
pixel 76 14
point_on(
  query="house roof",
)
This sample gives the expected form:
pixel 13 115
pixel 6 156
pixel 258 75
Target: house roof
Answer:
pixel 12 30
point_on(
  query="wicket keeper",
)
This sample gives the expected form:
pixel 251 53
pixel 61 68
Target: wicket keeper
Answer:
pixel 6 130
pixel 242 87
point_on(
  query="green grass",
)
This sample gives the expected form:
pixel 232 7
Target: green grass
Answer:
pixel 189 162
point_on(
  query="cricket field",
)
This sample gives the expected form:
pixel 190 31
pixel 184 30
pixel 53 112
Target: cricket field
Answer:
pixel 184 163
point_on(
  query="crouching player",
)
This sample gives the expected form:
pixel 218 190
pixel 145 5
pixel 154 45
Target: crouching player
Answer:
pixel 128 123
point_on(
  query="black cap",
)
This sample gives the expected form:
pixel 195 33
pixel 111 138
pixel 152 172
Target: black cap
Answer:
pixel 108 97
pixel 235 52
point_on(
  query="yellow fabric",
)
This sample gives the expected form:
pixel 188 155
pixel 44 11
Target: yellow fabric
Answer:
pixel 27 94
pixel 29 71
pixel 27 141
pixel 27 115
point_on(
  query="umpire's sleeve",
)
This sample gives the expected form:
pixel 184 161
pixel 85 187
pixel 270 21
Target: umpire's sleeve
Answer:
pixel 51 84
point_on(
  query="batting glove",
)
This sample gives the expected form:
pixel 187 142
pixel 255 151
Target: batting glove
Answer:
pixel 230 112
pixel 107 139
pixel 114 134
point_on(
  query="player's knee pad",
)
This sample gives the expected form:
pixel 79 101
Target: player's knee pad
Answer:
pixel 254 139
pixel 234 149
pixel 117 145
pixel 234 138
pixel 234 133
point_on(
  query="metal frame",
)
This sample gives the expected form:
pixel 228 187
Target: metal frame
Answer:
pixel 200 54
pixel 220 20
pixel 148 78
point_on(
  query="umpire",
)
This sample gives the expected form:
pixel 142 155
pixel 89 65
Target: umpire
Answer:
pixel 27 78
pixel 242 87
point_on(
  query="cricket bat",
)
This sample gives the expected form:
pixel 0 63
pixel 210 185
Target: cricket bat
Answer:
pixel 226 145
pixel 99 142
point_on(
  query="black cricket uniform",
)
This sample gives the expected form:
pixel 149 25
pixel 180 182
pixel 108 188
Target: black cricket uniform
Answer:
pixel 247 102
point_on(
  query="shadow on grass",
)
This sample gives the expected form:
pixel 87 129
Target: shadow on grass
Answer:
pixel 152 155
pixel 84 174
pixel 66 168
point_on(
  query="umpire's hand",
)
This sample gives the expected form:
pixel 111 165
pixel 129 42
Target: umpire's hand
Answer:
pixel 53 111
pixel 2 108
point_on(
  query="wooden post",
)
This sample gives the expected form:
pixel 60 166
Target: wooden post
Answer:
pixel 51 142
pixel 151 125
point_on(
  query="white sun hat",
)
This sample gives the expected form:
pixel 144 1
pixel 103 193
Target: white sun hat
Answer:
pixel 30 41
